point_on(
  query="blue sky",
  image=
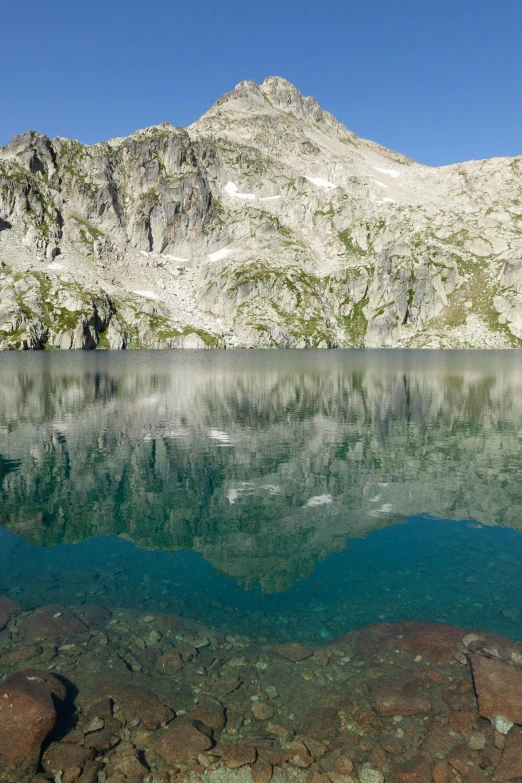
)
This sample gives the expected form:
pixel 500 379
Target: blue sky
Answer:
pixel 439 80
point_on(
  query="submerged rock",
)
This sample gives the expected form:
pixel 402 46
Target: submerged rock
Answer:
pixel 499 688
pixel 27 716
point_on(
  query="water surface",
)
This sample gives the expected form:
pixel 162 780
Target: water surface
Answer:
pixel 277 494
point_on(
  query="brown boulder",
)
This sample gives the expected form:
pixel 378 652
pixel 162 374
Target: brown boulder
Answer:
pixel 209 712
pixel 131 696
pixel 65 756
pixel 462 722
pixel 182 743
pixel 52 623
pixel 499 688
pixel 239 755
pixel 397 697
pixel 27 717
pixel 320 723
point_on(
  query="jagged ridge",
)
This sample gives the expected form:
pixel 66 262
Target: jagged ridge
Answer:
pixel 265 223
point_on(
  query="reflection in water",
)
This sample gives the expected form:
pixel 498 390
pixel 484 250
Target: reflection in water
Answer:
pixel 265 463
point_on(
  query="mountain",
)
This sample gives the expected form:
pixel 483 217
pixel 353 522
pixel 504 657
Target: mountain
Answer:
pixel 265 223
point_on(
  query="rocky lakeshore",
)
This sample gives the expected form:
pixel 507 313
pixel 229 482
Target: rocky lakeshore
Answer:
pixel 94 695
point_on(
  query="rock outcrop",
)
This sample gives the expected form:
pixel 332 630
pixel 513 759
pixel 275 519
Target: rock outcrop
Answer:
pixel 265 223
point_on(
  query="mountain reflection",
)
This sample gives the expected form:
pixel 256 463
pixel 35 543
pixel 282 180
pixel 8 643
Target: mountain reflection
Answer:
pixel 265 462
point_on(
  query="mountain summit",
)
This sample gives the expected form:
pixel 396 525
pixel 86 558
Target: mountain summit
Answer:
pixel 265 223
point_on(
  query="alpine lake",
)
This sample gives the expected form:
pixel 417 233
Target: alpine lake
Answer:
pixel 298 565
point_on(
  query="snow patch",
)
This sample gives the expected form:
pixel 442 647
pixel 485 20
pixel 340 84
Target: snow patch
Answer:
pixel 177 258
pixel 389 172
pixel 384 509
pixel 388 200
pixel 269 198
pixel 381 184
pixel 54 265
pixel 222 437
pixel 272 488
pixel 319 500
pixel 322 183
pixel 219 254
pixel 232 190
pixel 147 294
pixel 144 253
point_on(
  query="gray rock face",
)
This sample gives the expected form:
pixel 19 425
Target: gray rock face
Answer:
pixel 265 223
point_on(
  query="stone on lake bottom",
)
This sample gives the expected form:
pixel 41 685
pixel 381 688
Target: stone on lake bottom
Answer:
pixel 368 774
pixel 238 756
pixel 182 743
pixel 293 651
pixel 320 723
pixel 501 724
pixel 510 767
pixel 389 699
pixel 27 718
pixel 261 772
pixel 499 688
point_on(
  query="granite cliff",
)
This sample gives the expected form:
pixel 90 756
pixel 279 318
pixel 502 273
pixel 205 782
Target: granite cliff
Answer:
pixel 266 223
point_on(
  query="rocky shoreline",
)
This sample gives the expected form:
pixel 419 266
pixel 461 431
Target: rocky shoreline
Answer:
pixel 91 695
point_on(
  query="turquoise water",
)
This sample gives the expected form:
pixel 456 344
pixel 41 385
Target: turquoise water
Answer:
pixel 275 494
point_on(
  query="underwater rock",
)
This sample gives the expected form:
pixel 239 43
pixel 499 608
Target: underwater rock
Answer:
pixel 292 651
pixel 510 766
pixel 182 743
pixel 415 771
pixel 52 622
pixel 19 656
pixel 499 688
pixel 27 718
pixel 436 642
pixel 210 713
pixel 8 609
pixel 239 756
pixel 262 711
pixel 67 757
pixel 320 723
pixel 395 697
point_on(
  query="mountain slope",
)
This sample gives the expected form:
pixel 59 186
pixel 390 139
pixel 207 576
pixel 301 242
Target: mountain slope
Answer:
pixel 265 223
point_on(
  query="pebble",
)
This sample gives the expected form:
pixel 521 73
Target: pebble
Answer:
pixel 477 740
pixel 367 774
pixel 95 725
pixel 261 710
pixel 501 724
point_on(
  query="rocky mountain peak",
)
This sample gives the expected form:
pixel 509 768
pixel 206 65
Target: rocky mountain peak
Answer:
pixel 264 223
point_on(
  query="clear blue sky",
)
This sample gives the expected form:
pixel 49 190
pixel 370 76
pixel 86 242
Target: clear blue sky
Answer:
pixel 439 80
